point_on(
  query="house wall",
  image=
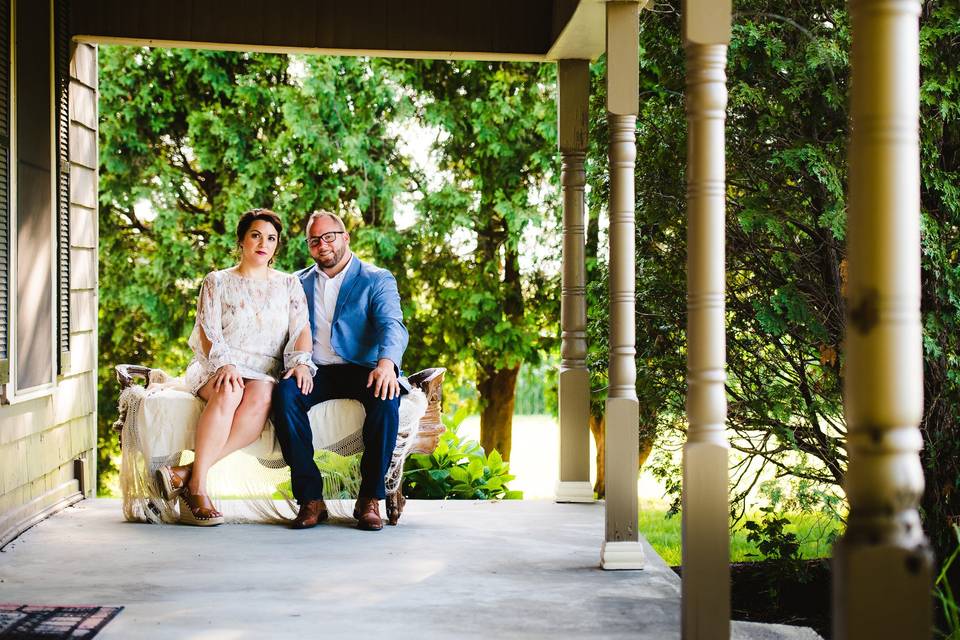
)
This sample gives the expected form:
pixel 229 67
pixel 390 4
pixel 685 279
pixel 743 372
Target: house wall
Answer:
pixel 48 444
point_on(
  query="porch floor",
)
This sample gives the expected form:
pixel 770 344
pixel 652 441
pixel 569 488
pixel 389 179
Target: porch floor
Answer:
pixel 516 569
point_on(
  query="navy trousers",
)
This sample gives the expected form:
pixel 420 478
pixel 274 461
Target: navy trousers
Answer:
pixel 292 426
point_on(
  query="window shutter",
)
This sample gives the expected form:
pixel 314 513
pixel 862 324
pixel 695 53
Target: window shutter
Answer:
pixel 62 98
pixel 4 191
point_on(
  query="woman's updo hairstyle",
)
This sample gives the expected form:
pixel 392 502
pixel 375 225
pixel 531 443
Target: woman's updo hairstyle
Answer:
pixel 248 218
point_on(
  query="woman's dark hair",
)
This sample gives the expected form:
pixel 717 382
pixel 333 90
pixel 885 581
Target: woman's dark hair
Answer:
pixel 253 215
pixel 248 218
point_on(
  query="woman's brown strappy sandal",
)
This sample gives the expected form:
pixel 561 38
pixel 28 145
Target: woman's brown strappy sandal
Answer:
pixel 198 510
pixel 172 480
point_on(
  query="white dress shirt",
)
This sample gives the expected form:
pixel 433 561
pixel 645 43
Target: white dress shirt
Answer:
pixel 325 294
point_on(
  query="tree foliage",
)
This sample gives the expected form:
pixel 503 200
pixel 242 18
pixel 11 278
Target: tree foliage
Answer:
pixel 787 116
pixel 487 226
pixel 189 140
pixel 940 306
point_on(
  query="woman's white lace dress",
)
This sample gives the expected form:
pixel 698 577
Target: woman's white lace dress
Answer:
pixel 251 324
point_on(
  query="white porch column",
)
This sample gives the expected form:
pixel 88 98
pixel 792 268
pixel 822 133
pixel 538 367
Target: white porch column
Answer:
pixel 621 547
pixel 705 588
pixel 573 84
pixel 882 565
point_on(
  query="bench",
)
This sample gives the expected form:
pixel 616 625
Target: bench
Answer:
pixel 157 420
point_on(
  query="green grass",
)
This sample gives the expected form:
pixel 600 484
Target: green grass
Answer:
pixel 663 534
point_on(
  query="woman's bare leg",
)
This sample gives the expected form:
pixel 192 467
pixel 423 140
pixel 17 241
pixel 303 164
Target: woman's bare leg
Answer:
pixel 250 416
pixel 213 430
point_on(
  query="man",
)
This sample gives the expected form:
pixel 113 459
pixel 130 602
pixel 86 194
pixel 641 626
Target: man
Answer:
pixel 358 342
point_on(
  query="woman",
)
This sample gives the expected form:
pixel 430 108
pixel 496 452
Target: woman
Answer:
pixel 251 321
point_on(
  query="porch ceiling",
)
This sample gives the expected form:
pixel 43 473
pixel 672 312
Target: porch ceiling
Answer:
pixel 536 30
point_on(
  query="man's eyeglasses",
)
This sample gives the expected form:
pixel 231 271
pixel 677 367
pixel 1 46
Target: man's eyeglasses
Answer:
pixel 327 238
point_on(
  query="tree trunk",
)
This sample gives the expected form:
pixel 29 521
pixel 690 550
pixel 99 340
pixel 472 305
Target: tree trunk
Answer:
pixel 598 427
pixel 497 396
pixel 498 386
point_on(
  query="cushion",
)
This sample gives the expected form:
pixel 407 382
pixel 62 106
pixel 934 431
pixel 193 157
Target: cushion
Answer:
pixel 167 418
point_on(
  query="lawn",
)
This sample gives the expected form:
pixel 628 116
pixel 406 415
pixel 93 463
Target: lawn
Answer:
pixel 663 534
pixel 534 461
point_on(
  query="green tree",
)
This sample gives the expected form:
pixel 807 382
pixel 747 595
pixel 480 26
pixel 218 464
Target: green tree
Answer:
pixel 940 306
pixel 787 132
pixel 487 226
pixel 200 137
pixel 660 245
pixel 785 143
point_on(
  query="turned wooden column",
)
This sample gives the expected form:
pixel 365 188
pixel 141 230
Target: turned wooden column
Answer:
pixel 882 565
pixel 573 84
pixel 705 588
pixel 622 549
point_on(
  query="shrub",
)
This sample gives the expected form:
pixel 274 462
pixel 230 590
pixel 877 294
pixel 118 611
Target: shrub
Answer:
pixel 458 469
pixel 781 549
pixel 772 538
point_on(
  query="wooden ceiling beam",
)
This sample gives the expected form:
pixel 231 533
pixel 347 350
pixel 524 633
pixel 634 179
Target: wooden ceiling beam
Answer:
pixel 480 29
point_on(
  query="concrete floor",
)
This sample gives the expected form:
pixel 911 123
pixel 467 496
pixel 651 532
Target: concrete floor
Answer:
pixel 518 569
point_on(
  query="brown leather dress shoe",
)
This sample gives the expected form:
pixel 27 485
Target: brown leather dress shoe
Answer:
pixel 367 513
pixel 311 513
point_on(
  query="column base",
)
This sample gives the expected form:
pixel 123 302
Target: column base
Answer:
pixel 705 537
pixel 620 460
pixel 881 590
pixel 616 556
pixel 574 491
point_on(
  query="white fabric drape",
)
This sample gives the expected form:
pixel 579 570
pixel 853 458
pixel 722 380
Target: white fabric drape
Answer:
pixel 158 428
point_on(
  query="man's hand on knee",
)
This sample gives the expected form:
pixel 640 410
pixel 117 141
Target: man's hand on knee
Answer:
pixel 383 379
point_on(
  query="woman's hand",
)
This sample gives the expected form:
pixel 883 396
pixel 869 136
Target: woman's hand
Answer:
pixel 301 374
pixel 227 378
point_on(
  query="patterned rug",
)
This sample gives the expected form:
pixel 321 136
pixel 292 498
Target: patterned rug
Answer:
pixel 47 622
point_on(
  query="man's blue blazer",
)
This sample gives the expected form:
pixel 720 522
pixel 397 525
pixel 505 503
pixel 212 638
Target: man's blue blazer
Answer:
pixel 367 323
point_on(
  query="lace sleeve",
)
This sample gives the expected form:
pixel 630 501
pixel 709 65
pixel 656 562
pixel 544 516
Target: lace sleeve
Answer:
pixel 298 320
pixel 210 322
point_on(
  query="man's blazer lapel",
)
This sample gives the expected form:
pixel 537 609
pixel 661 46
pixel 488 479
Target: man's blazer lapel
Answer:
pixel 309 280
pixel 349 282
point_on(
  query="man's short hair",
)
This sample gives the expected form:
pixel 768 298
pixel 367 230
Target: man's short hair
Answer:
pixel 320 213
